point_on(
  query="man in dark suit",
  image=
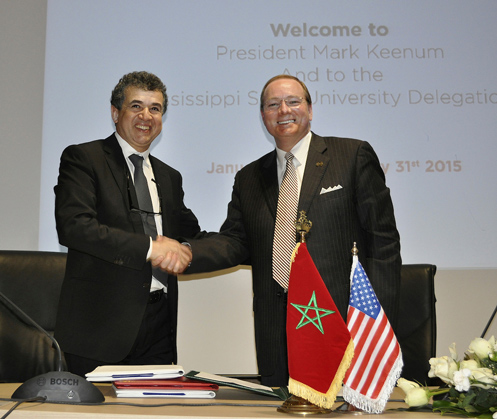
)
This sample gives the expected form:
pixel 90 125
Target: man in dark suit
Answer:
pixel 112 309
pixel 341 188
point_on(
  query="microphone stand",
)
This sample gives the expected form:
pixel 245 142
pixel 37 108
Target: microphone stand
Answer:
pixel 489 322
pixel 28 319
pixel 57 386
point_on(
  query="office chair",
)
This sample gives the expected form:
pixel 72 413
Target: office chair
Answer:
pixel 417 323
pixel 32 281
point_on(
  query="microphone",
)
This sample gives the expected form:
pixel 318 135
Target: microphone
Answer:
pixel 55 386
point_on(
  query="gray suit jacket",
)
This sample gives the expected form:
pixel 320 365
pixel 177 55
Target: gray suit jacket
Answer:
pixel 360 211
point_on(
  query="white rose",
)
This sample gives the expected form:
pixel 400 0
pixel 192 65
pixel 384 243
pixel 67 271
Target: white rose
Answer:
pixel 453 352
pixel 406 385
pixel 480 347
pixel 493 343
pixel 469 364
pixel 461 379
pixel 443 368
pixel 484 376
pixel 417 397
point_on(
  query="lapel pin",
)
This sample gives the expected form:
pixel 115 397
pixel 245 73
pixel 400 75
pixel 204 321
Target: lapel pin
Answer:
pixel 319 164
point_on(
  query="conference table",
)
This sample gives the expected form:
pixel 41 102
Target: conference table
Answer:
pixel 229 403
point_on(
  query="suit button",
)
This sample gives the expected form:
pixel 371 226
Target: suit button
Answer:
pixel 279 294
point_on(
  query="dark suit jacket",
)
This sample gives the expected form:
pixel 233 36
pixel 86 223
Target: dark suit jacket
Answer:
pixel 107 281
pixel 361 211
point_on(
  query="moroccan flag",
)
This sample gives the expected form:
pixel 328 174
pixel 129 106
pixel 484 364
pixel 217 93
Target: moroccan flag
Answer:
pixel 378 363
pixel 320 348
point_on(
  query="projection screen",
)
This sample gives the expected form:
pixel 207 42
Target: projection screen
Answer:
pixel 415 79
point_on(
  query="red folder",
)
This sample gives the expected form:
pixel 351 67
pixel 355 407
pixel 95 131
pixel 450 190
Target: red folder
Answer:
pixel 180 383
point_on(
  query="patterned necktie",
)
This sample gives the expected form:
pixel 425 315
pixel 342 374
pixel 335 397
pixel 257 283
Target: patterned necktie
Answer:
pixel 146 207
pixel 286 214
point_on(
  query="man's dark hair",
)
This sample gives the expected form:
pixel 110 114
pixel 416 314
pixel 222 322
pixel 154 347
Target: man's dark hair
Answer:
pixel 307 95
pixel 142 80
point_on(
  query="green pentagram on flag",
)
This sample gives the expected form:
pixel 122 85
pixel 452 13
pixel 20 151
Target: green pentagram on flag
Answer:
pixel 320 312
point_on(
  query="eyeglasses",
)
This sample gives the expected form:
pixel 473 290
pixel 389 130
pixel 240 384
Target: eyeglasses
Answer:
pixel 133 205
pixel 290 101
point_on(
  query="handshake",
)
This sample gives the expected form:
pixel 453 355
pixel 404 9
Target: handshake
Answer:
pixel 170 255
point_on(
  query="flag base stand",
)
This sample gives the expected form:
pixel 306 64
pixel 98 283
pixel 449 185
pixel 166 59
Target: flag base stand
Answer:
pixel 348 409
pixel 299 406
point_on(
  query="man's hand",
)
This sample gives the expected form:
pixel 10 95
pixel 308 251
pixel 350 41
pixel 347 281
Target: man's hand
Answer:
pixel 170 255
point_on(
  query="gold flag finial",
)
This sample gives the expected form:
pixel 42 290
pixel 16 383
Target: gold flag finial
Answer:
pixel 303 225
pixel 355 250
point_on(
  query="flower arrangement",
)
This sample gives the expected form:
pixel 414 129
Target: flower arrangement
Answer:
pixel 470 384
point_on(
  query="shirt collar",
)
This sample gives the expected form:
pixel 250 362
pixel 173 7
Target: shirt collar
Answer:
pixel 128 150
pixel 299 150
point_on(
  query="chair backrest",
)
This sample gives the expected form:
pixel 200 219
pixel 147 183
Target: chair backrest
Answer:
pixel 31 280
pixel 417 323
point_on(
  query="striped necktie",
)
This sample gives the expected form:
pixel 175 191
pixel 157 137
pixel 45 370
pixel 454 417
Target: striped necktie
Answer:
pixel 285 234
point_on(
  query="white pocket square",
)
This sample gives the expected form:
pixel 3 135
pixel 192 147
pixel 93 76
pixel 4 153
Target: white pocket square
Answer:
pixel 330 189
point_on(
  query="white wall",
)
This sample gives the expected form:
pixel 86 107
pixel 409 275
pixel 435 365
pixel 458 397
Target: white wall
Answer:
pixel 22 66
pixel 466 297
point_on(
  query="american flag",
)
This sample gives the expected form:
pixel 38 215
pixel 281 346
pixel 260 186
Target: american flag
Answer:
pixel 377 362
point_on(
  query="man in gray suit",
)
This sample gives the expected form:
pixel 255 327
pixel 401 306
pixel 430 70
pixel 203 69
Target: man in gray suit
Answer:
pixel 342 190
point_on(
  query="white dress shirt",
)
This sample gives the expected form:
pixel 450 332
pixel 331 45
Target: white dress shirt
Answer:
pixel 300 152
pixel 154 194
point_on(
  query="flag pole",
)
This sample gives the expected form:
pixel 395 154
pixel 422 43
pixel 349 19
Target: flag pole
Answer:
pixel 346 407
